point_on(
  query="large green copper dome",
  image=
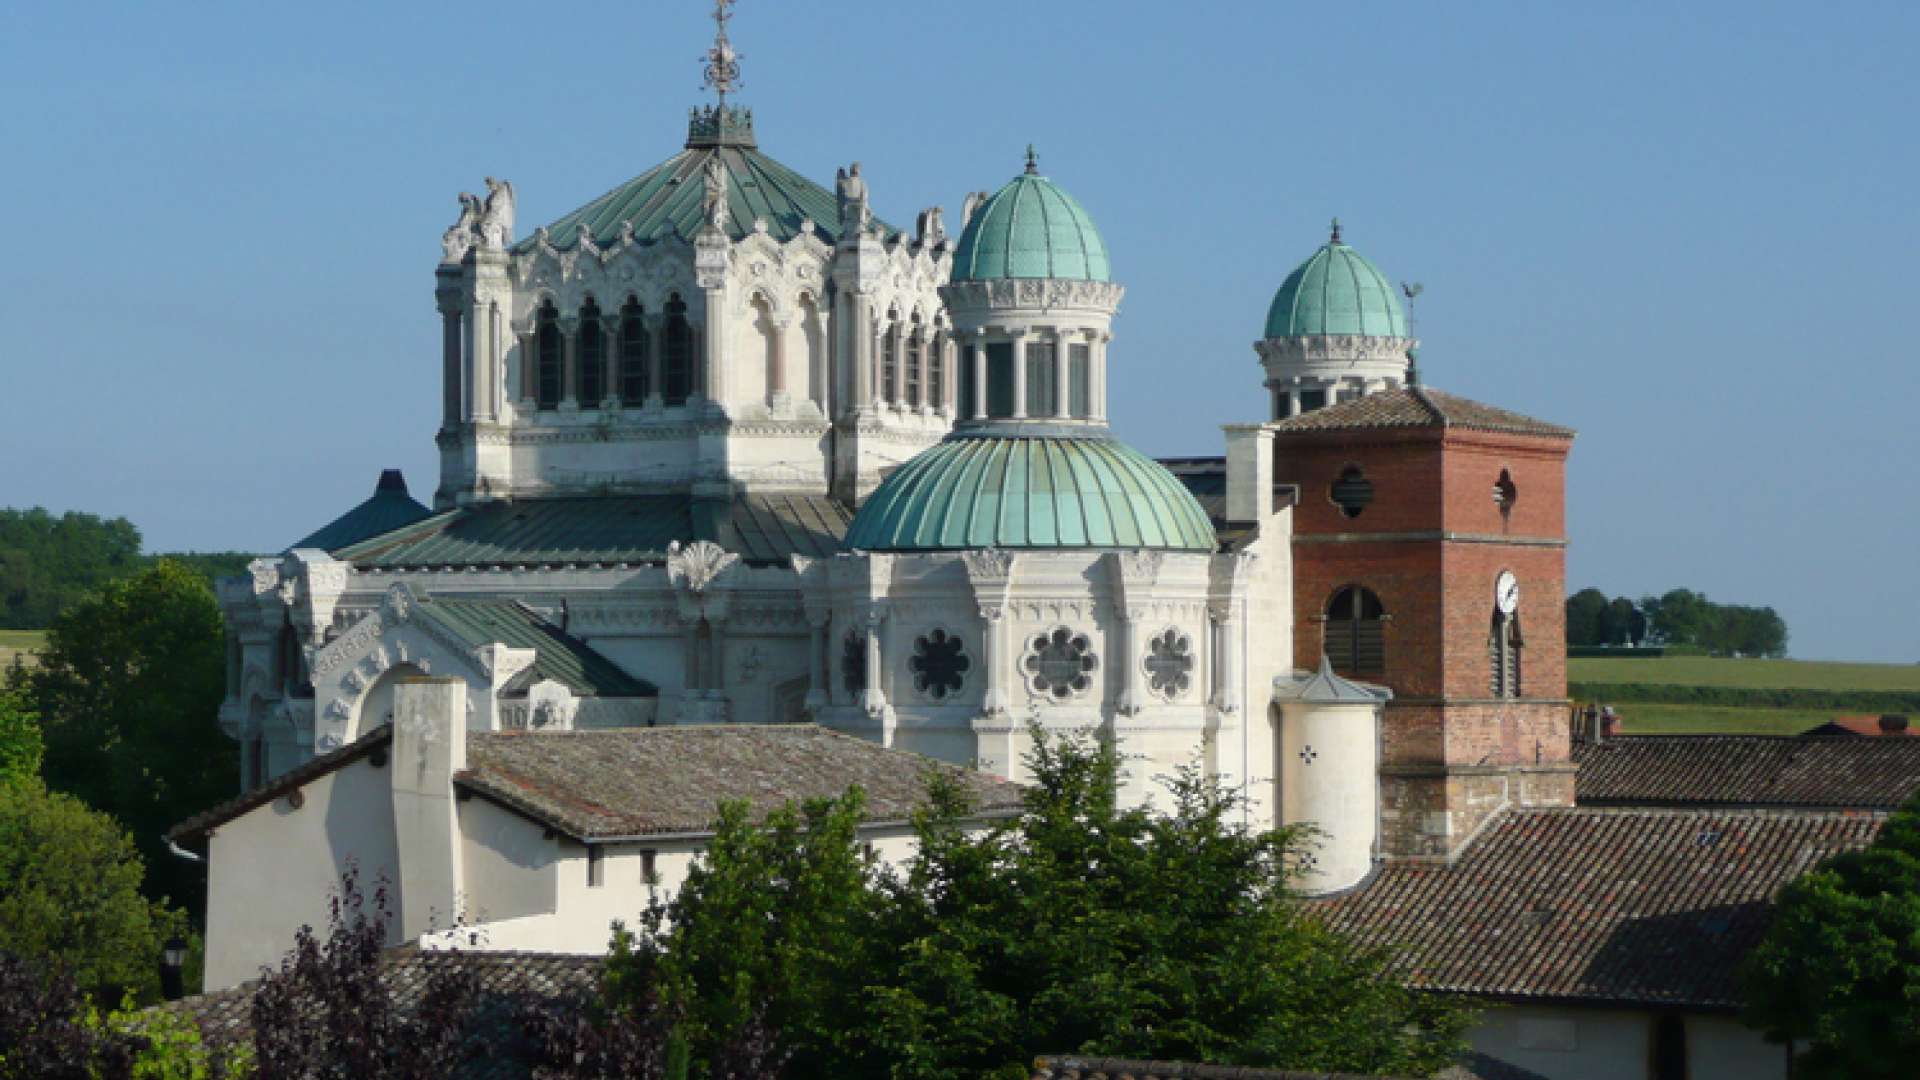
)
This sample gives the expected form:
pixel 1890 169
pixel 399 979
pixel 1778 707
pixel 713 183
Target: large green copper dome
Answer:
pixel 1336 292
pixel 1031 491
pixel 1030 229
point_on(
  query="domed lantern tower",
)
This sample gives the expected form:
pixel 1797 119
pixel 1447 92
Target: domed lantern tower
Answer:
pixel 1336 331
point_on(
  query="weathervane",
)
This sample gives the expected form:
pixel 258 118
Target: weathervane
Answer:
pixel 723 64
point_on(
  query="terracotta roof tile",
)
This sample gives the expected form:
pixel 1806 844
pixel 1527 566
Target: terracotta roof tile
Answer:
pixel 641 781
pixel 1747 770
pixel 1647 906
pixel 1418 407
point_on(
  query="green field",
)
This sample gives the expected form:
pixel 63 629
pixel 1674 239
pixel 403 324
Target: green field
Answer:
pixel 1663 718
pixel 18 642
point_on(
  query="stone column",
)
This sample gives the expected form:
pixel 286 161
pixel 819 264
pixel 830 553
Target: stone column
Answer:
pixel 978 374
pixel 1132 696
pixel 818 669
pixel 1019 374
pixel 692 658
pixel 1226 696
pixel 451 357
pixel 1097 408
pixel 712 337
pixel 610 359
pixel 570 363
pixel 529 372
pixel 993 620
pixel 716 677
pixel 873 700
pixel 1062 372
pixel 777 397
pixel 656 329
pixel 861 331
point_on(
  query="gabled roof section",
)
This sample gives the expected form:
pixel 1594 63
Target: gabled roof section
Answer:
pixel 665 202
pixel 390 508
pixel 1642 907
pixel 560 656
pixel 609 530
pixel 314 768
pixel 1418 407
pixel 1841 772
pixel 633 782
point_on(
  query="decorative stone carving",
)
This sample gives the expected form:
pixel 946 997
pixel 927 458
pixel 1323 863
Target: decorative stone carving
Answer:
pixel 398 604
pixel 1169 664
pixel 496 215
pixel 1060 664
pixel 713 204
pixel 939 664
pixel 464 233
pixel 697 565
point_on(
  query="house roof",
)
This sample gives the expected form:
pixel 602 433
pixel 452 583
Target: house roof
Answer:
pixel 1417 407
pixel 1080 1067
pixel 504 978
pixel 558 655
pixel 390 507
pixel 1874 725
pixel 1747 770
pixel 1641 906
pixel 312 769
pixel 598 785
pixel 609 530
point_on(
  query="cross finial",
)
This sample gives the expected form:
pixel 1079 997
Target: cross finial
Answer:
pixel 1033 161
pixel 1336 231
pixel 723 64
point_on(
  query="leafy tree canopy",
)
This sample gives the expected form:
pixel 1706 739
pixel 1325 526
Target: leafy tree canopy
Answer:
pixel 127 691
pixel 48 562
pixel 1839 965
pixel 20 745
pixel 1677 617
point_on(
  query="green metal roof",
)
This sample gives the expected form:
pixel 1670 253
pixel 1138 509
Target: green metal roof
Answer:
pixel 608 530
pixel 665 201
pixel 390 508
pixel 1012 491
pixel 1030 229
pixel 558 655
pixel 1336 291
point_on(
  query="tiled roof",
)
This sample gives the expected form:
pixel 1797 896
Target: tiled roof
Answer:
pixel 559 656
pixel 1747 770
pixel 609 530
pixel 389 508
pixel 505 979
pixel 1077 1067
pixel 1648 906
pixel 1417 407
pixel 641 781
pixel 312 769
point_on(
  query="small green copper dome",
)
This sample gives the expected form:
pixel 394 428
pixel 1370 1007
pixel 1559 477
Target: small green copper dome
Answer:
pixel 1006 491
pixel 1337 291
pixel 1030 229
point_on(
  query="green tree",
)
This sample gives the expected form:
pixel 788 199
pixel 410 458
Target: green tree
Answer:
pixel 20 744
pixel 127 690
pixel 1584 609
pixel 47 562
pixel 1616 622
pixel 70 894
pixel 1839 968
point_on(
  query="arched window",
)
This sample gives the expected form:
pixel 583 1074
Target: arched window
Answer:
pixel 1355 640
pixel 890 359
pixel 633 354
pixel 937 371
pixel 591 350
pixel 552 354
pixel 1040 378
pixel 1080 380
pixel 1503 655
pixel 916 355
pixel 678 373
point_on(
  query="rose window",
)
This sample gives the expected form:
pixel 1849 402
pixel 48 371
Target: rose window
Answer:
pixel 938 664
pixel 1060 664
pixel 1170 664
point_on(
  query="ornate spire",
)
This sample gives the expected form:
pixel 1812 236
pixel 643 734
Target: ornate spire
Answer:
pixel 1033 161
pixel 1336 231
pixel 723 64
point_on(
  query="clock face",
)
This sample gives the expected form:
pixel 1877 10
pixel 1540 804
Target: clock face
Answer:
pixel 1506 592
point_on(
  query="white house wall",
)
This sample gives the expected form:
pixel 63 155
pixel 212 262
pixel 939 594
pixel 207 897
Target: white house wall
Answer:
pixel 1560 1042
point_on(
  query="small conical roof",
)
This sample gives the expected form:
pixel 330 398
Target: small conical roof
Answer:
pixel 390 508
pixel 1323 687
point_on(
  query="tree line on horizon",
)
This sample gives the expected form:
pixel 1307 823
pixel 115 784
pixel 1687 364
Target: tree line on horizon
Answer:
pixel 49 561
pixel 1678 617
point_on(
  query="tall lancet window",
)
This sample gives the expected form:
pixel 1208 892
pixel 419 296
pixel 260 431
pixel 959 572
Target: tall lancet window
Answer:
pixel 1080 381
pixel 1040 378
pixel 890 359
pixel 937 370
pixel 916 355
pixel 1503 655
pixel 634 376
pixel 552 355
pixel 678 368
pixel 1355 640
pixel 590 350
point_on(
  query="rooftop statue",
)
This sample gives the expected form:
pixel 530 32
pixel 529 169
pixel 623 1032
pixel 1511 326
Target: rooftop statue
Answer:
pixel 460 236
pixel 855 214
pixel 496 216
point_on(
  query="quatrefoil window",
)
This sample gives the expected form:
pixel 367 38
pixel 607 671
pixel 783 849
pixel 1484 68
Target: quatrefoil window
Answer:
pixel 1060 664
pixel 938 664
pixel 1170 664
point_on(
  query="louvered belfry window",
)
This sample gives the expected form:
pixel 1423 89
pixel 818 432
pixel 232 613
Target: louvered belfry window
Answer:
pixel 678 367
pixel 590 352
pixel 551 355
pixel 1355 633
pixel 1503 656
pixel 890 360
pixel 633 354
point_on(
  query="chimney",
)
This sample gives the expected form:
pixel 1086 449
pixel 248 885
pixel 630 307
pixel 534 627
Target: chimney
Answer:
pixel 1250 495
pixel 429 748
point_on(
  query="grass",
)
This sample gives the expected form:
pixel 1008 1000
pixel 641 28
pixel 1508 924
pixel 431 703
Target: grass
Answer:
pixel 1643 718
pixel 1714 671
pixel 19 643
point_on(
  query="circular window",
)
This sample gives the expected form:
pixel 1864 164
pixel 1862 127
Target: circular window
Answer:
pixel 1352 492
pixel 1060 664
pixel 939 664
pixel 1170 664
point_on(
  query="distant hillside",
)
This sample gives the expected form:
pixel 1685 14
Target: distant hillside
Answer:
pixel 1706 694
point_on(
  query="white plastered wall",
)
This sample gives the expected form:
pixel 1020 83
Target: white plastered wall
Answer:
pixel 1566 1043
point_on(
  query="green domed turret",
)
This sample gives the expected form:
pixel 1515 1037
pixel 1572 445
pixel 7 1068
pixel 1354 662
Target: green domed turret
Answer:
pixel 1336 292
pixel 1030 228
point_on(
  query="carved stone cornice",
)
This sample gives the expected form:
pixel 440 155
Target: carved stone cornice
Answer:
pixel 1338 347
pixel 1045 294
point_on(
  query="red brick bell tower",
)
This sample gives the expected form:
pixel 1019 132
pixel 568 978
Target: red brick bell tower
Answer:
pixel 1430 556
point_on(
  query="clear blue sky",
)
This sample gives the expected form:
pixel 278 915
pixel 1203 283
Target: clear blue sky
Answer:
pixel 1686 230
